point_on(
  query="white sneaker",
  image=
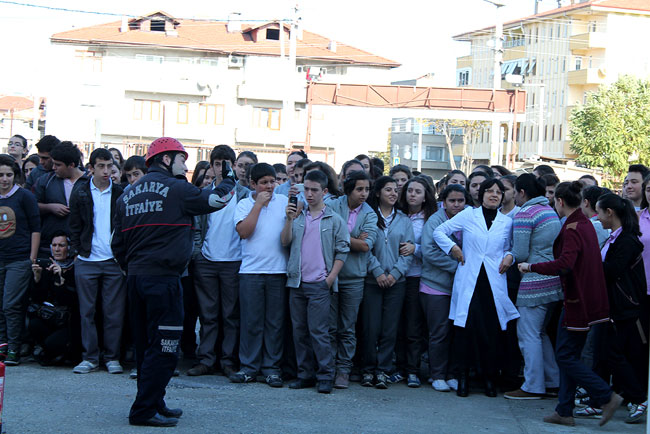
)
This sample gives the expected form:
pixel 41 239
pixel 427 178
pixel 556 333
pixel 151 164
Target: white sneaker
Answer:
pixel 114 367
pixel 453 384
pixel 440 386
pixel 85 367
pixel 133 374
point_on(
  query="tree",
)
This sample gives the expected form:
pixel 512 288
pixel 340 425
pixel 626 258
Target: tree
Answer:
pixel 453 129
pixel 613 127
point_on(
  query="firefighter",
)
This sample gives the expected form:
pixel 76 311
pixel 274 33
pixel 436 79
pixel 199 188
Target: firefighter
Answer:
pixel 153 245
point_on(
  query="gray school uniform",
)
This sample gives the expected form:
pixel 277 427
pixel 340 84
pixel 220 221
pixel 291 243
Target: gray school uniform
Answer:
pixel 346 302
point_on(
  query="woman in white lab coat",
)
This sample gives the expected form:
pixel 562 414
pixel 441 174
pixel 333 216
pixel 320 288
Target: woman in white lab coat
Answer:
pixel 480 306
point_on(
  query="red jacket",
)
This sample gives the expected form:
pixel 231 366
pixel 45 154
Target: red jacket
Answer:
pixel 579 264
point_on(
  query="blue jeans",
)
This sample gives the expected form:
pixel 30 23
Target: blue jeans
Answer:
pixel 14 281
pixel 573 372
pixel 261 303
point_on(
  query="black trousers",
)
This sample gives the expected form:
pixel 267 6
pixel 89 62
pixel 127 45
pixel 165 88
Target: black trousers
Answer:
pixel 478 343
pixel 623 354
pixel 411 341
pixel 157 319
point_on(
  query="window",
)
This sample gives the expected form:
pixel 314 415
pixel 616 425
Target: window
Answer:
pixel 559 134
pixel 146 110
pixel 561 102
pixel 550 33
pixel 266 118
pixel 541 67
pixel 463 77
pixel 211 114
pixel 593 27
pixel 157 25
pixel 149 58
pixel 545 132
pixel 434 153
pixel 408 125
pixel 591 62
pixel 182 111
pixel 554 99
pixel 563 64
pixel 273 34
pixel 553 133
pixel 578 63
pixel 533 95
pixel 203 154
pixel 90 61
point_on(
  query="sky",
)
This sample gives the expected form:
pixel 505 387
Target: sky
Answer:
pixel 416 33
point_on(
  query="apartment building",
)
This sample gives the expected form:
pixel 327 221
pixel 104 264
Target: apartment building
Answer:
pixel 562 55
pixel 205 83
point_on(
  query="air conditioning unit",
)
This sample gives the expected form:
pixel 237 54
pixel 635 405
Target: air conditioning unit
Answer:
pixel 235 61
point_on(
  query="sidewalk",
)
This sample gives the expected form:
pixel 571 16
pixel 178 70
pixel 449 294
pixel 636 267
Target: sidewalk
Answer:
pixel 54 400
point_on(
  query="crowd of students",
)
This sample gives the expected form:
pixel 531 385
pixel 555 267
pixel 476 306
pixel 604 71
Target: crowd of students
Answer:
pixel 322 279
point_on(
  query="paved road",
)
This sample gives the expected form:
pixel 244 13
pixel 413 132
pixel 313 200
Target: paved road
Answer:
pixel 54 400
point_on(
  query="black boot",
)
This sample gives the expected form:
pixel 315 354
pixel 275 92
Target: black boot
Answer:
pixel 490 388
pixel 463 385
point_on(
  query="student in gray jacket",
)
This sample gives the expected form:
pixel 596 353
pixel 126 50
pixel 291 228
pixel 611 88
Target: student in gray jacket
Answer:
pixel 385 284
pixel 438 270
pixel 319 245
pixel 362 226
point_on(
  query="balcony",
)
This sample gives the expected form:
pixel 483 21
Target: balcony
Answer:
pixel 464 62
pixel 580 44
pixel 259 136
pixel 587 76
pixel 263 91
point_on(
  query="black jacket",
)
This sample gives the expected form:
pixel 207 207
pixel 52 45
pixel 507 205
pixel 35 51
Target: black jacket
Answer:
pixel 154 220
pixel 81 215
pixel 625 277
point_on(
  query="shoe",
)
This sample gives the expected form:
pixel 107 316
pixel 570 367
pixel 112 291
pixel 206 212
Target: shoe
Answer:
pixel 176 373
pixel 453 384
pixel 171 412
pixel 325 386
pixel 560 420
pixel 4 348
pixel 228 371
pixel 13 358
pixel 463 386
pixel 302 383
pixel 588 413
pixel 367 380
pixel 610 408
pixel 552 392
pixel 85 367
pixel 522 395
pixel 114 367
pixel 133 375
pixel 382 381
pixel 490 389
pixel 199 369
pixel 413 381
pixel 396 377
pixel 25 349
pixel 636 412
pixel 581 393
pixel 342 381
pixel 157 420
pixel 355 377
pixel 441 386
pixel 241 377
pixel 274 380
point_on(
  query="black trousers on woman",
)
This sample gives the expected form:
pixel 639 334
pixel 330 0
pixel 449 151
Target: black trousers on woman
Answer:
pixel 478 344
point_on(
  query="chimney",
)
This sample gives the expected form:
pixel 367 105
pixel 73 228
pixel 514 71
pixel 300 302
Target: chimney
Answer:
pixel 124 27
pixel 234 22
pixel 332 46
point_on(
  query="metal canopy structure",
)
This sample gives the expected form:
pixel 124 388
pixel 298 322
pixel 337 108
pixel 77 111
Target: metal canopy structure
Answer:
pixel 497 106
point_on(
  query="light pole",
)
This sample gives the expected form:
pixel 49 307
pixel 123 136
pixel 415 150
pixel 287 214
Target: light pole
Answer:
pixel 495 139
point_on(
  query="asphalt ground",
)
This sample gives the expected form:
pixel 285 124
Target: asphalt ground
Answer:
pixel 54 400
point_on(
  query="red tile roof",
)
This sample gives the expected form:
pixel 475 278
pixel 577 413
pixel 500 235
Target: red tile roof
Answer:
pixel 16 103
pixel 210 36
pixel 624 5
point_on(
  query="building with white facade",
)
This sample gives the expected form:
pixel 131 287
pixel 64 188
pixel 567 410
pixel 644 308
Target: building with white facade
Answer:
pixel 562 54
pixel 206 83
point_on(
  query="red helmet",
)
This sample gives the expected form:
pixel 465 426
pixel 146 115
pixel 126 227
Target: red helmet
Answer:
pixel 162 145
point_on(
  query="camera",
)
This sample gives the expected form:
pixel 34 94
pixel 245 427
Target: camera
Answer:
pixel 293 200
pixel 43 263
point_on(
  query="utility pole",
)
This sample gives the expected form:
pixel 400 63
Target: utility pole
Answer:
pixel 290 106
pixel 495 135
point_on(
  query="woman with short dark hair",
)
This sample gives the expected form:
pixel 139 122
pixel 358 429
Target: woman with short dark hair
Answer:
pixel 480 306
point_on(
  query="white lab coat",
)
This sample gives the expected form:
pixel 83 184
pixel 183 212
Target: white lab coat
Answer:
pixel 480 246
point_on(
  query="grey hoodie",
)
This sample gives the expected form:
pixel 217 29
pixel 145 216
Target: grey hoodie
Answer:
pixel 438 268
pixel 385 257
pixel 356 265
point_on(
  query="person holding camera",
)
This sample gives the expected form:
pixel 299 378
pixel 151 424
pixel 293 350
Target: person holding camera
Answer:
pixel 53 312
pixel 20 235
